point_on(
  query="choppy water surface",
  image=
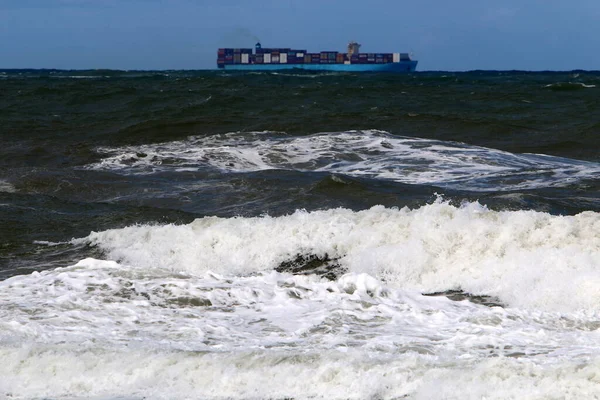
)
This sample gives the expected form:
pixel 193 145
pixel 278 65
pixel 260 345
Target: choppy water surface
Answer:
pixel 177 235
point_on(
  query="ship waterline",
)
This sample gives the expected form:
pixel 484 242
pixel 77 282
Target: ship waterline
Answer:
pixel 409 66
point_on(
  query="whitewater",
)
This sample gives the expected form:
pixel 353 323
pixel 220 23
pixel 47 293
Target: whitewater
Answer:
pixel 201 311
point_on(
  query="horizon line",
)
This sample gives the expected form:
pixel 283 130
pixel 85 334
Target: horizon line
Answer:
pixel 218 69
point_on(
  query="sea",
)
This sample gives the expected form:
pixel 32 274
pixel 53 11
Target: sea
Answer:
pixel 214 235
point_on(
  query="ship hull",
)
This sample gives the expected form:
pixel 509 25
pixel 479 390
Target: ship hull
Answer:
pixel 402 66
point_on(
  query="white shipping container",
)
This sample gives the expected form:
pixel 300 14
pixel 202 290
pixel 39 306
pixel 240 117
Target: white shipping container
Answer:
pixel 299 55
pixel 283 58
pixel 396 57
pixel 245 58
pixel 267 58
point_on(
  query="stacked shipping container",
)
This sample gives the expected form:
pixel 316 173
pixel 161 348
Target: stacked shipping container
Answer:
pixel 227 56
pixel 233 56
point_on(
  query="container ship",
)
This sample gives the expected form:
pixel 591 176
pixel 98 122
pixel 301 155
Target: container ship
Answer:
pixel 275 59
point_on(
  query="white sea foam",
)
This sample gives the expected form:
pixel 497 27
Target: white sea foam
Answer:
pixel 58 373
pixel 527 259
pixel 371 154
pixel 6 187
pixel 48 243
pixel 197 310
pixel 105 329
pixel 568 84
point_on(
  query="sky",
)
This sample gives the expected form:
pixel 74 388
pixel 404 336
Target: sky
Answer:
pixel 457 35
